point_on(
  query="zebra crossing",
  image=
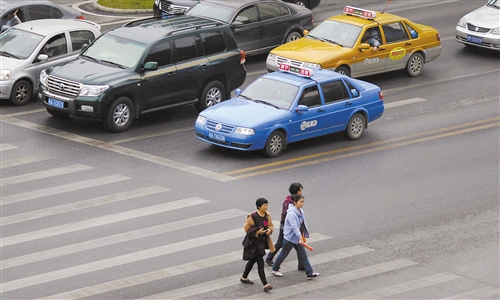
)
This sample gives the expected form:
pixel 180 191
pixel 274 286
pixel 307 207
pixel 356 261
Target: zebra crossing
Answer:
pixel 66 281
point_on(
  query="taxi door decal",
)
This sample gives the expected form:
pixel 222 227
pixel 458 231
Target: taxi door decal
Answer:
pixel 397 53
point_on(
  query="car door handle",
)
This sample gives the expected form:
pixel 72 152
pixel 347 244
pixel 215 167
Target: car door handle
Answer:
pixel 321 110
pixel 203 67
pixel 348 103
pixel 407 44
pixel 170 74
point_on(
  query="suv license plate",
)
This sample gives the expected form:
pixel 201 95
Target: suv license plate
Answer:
pixel 216 136
pixel 474 39
pixel 55 103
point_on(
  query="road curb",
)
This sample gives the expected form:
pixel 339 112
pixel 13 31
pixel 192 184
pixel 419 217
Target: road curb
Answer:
pixel 119 10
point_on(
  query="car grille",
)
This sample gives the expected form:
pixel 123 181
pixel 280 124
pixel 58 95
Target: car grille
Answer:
pixel 477 28
pixel 172 8
pixel 281 60
pixel 63 87
pixel 224 129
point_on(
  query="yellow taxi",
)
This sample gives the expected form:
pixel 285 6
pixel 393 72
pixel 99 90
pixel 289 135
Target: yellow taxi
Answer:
pixel 361 42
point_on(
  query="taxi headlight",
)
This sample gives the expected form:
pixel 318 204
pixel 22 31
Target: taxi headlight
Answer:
pixel 93 90
pixel 271 58
pixel 43 78
pixel 201 120
pixel 312 65
pixel 4 75
pixel 244 131
pixel 462 22
pixel 495 31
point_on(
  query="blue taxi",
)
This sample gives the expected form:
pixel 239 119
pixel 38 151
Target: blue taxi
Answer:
pixel 289 106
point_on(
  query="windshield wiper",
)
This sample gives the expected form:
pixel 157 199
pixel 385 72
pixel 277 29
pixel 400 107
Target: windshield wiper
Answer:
pixel 332 42
pixel 113 63
pixel 3 53
pixel 91 58
pixel 265 102
pixel 245 97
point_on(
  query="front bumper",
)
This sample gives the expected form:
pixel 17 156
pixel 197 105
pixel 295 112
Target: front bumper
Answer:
pixel 5 89
pixel 477 39
pixel 230 140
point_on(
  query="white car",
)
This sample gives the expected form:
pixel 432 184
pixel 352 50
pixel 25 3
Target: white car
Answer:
pixel 481 27
pixel 30 47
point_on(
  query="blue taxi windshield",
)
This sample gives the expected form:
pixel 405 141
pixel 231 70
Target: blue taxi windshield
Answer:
pixel 336 32
pixel 275 92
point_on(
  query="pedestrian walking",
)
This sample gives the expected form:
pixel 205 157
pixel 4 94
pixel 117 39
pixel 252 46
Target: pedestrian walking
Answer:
pixel 294 189
pixel 293 232
pixel 259 227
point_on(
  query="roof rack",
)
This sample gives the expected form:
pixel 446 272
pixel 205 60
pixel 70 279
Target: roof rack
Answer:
pixel 175 23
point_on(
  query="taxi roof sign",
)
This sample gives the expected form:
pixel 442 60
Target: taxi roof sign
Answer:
pixel 296 70
pixel 359 12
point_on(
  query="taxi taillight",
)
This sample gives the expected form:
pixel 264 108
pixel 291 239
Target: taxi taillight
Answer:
pixel 437 37
pixel 242 57
pixel 380 95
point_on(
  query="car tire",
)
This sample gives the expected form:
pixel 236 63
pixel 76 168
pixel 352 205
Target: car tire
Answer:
pixel 275 144
pixel 22 93
pixel 415 64
pixel 213 93
pixel 292 36
pixel 120 115
pixel 355 127
pixel 57 113
pixel 302 3
pixel 343 70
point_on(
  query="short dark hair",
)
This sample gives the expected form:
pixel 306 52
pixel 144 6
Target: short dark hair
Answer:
pixel 295 188
pixel 296 198
pixel 260 202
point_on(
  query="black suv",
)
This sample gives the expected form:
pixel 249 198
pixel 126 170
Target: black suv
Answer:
pixel 145 66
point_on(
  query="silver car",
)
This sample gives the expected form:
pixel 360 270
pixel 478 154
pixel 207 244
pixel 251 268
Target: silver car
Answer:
pixel 28 48
pixel 481 27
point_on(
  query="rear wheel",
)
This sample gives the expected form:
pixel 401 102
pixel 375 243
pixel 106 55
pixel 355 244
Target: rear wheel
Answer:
pixel 302 3
pixel 21 93
pixel 292 36
pixel 275 144
pixel 355 127
pixel 120 115
pixel 57 113
pixel 415 64
pixel 343 70
pixel 213 93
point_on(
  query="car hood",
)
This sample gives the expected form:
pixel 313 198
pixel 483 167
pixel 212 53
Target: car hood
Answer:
pixel 485 16
pixel 310 50
pixel 245 113
pixel 10 63
pixel 88 72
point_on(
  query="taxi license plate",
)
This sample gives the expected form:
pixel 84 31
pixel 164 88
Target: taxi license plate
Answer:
pixel 216 136
pixel 55 103
pixel 474 39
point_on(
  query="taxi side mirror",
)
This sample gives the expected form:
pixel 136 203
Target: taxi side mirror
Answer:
pixel 301 108
pixel 238 92
pixel 305 32
pixel 364 46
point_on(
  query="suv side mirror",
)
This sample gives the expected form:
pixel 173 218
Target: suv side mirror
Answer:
pixel 150 66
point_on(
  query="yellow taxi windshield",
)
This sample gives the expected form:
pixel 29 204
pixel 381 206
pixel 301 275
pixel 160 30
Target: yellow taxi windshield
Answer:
pixel 336 32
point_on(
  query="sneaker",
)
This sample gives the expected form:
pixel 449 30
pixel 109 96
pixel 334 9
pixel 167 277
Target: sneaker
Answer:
pixel 313 275
pixel 246 280
pixel 269 263
pixel 277 273
pixel 267 287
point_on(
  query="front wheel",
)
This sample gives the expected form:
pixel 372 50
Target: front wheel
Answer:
pixel 355 127
pixel 213 93
pixel 275 144
pixel 343 70
pixel 21 93
pixel 415 64
pixel 120 115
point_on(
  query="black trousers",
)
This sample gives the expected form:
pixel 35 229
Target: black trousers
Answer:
pixel 260 268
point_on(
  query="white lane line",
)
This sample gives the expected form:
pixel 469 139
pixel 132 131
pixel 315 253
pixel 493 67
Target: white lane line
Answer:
pixel 24 160
pixel 62 189
pixel 120 238
pixel 323 282
pixel 64 208
pixel 404 102
pixel 483 293
pixel 5 147
pixel 405 286
pixel 121 260
pixel 100 221
pixel 289 265
pixel 118 149
pixel 43 174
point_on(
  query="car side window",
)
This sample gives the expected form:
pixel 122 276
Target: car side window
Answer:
pixel 56 13
pixel 80 37
pixel 271 10
pixel 354 91
pixel 55 46
pixel 334 91
pixel 186 48
pixel 394 32
pixel 247 15
pixel 413 32
pixel 310 97
pixel 213 42
pixel 37 12
pixel 161 53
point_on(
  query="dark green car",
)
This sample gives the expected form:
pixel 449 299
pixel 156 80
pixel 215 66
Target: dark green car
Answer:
pixel 144 66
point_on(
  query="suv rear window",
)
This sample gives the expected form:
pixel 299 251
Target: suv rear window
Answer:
pixel 213 42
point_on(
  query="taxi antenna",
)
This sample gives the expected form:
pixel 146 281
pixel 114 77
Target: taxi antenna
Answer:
pixel 388 1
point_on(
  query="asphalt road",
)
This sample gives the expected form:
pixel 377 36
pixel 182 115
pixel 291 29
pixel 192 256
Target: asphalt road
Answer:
pixel 409 211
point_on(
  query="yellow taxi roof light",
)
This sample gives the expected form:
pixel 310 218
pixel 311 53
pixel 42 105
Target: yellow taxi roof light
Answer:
pixel 359 12
pixel 296 70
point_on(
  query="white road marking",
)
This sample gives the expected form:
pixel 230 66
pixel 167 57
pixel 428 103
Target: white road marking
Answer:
pixel 43 174
pixel 5 147
pixel 24 160
pixel 404 102
pixel 483 293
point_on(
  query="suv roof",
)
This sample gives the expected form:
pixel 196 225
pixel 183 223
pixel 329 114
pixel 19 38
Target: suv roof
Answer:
pixel 150 29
